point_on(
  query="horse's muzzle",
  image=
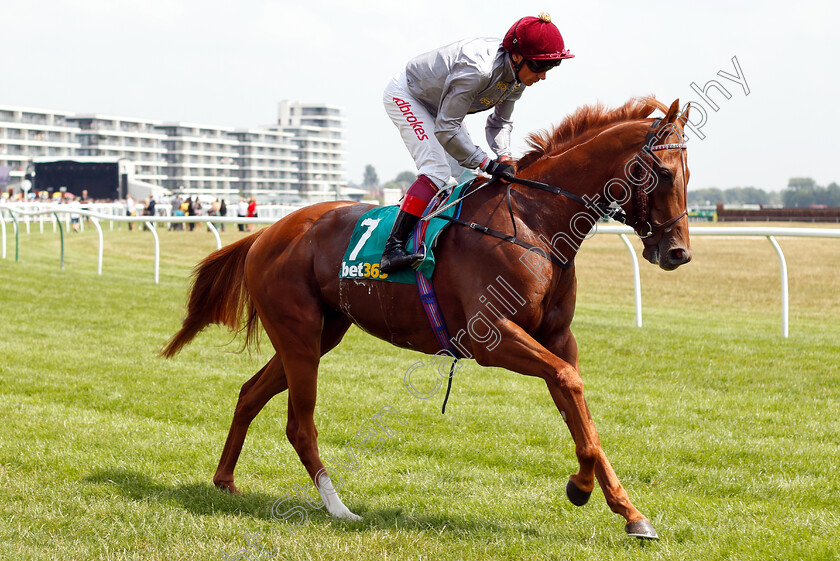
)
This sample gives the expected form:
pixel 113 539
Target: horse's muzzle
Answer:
pixel 668 259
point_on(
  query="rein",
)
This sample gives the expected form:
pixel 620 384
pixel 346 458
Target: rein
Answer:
pixel 641 211
pixel 640 219
pixel 508 238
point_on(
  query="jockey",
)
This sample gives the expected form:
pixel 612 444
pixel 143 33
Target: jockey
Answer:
pixel 429 99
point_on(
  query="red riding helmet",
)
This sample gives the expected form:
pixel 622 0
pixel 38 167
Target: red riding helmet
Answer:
pixel 536 39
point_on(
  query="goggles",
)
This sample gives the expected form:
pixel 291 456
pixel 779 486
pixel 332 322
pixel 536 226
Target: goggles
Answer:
pixel 539 66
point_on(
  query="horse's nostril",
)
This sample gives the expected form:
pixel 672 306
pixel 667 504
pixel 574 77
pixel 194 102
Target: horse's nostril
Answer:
pixel 678 256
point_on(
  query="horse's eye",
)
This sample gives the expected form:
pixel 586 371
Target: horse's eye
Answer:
pixel 664 173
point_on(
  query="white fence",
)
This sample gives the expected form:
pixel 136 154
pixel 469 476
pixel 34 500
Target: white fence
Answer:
pixel 50 216
pixel 161 209
pixel 769 233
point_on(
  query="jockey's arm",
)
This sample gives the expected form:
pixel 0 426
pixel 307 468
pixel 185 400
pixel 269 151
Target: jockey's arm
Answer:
pixel 498 128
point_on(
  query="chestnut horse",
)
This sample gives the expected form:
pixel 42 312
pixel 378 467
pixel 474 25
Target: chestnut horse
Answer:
pixel 287 277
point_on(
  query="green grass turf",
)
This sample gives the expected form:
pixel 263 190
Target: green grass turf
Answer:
pixel 725 435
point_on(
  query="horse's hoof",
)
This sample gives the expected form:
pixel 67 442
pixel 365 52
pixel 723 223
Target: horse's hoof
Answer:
pixel 351 517
pixel 343 513
pixel 641 529
pixel 227 486
pixel 576 496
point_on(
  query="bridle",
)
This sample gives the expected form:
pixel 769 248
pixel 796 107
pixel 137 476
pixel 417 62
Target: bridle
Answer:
pixel 640 219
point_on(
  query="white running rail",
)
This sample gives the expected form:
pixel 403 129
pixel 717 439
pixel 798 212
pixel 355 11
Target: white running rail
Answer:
pixel 770 233
pixel 745 231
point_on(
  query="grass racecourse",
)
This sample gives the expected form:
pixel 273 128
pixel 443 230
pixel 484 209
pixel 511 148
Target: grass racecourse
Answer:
pixel 726 435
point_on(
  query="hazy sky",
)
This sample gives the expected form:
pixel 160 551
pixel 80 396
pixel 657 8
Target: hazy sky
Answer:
pixel 229 63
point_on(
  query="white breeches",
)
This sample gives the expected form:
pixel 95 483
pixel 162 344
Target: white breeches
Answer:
pixel 417 129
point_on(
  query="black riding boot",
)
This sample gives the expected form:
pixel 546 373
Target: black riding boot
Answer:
pixel 395 256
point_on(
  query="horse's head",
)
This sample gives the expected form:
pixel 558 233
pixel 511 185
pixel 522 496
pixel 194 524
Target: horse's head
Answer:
pixel 602 152
pixel 660 176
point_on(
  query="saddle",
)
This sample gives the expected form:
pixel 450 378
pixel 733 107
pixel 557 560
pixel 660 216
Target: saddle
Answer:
pixel 364 251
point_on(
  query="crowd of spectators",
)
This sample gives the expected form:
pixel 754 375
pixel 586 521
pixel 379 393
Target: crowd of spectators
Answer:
pixel 178 206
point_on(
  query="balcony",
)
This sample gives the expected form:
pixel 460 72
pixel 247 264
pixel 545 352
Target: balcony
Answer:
pixel 34 118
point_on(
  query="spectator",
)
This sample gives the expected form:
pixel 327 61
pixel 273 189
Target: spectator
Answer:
pixel 242 212
pixel 191 211
pixel 214 211
pixel 130 209
pixel 75 216
pixel 84 203
pixel 252 211
pixel 176 203
pixel 222 212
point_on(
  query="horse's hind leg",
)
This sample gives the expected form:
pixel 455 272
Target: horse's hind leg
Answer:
pixel 255 393
pixel 301 338
pixel 299 345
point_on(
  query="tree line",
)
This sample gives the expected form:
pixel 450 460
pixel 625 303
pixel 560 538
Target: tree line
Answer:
pixel 733 196
pixel 802 192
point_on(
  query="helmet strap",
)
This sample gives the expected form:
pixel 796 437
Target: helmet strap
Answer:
pixel 517 67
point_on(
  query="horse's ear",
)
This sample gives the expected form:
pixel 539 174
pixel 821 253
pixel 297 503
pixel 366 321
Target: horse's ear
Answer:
pixel 673 111
pixel 683 118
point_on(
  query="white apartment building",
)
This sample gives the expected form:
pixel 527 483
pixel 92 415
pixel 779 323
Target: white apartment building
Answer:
pixel 300 158
pixel 137 140
pixel 319 135
pixel 200 159
pixel 267 164
pixel 27 133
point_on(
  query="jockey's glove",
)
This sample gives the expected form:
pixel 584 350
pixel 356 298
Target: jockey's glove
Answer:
pixel 499 169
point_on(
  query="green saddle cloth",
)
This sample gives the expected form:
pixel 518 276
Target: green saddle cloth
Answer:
pixel 364 252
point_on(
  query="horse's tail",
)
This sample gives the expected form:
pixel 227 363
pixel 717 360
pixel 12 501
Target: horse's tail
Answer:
pixel 219 295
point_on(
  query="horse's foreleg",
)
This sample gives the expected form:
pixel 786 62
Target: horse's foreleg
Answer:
pixel 580 484
pixel 255 393
pixel 564 346
pixel 591 456
pixel 516 350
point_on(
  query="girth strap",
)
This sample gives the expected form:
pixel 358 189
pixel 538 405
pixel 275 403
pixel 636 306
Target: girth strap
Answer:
pixel 430 305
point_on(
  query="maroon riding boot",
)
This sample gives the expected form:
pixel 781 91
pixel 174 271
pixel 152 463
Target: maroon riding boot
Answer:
pixel 395 257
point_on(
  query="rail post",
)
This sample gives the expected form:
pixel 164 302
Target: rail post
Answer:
pixel 60 229
pixel 157 251
pixel 637 280
pixel 212 228
pixel 784 274
pixel 95 222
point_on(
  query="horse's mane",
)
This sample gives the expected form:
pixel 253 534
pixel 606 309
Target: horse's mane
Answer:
pixel 584 121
